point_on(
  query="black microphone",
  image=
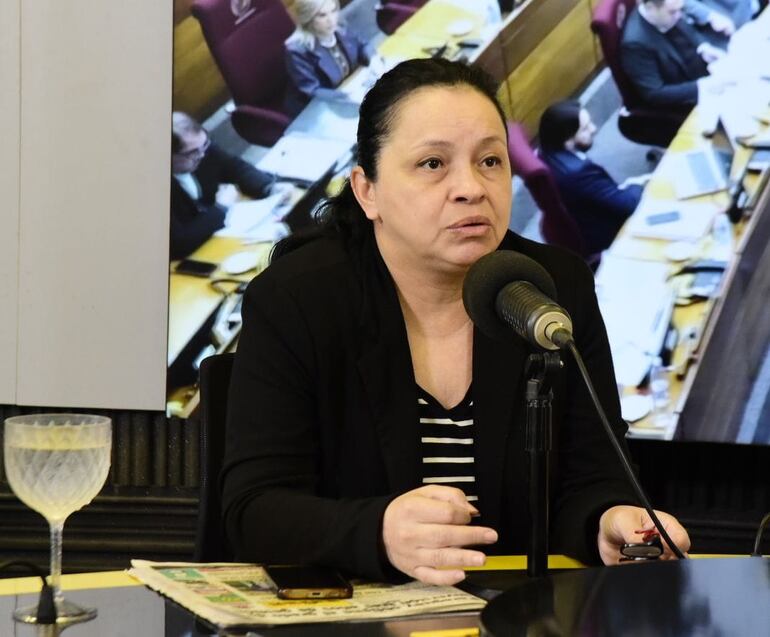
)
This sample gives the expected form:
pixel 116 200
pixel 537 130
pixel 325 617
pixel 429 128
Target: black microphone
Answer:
pixel 505 290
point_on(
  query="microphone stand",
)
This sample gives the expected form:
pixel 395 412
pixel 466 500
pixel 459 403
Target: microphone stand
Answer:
pixel 539 368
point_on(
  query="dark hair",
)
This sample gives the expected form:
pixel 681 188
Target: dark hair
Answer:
pixel 182 124
pixel 558 123
pixel 341 214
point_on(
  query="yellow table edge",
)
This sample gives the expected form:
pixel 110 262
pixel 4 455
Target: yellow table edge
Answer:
pixel 116 579
pixel 74 582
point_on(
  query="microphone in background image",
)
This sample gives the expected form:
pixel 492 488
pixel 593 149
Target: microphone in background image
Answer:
pixel 505 290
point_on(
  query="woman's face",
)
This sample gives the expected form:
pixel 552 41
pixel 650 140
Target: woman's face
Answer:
pixel 442 198
pixel 324 23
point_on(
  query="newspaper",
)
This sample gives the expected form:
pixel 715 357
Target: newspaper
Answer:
pixel 229 595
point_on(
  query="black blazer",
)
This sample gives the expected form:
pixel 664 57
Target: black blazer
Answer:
pixel 192 222
pixel 656 68
pixel 322 428
pixel 592 197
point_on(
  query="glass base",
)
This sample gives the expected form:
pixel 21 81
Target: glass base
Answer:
pixel 66 613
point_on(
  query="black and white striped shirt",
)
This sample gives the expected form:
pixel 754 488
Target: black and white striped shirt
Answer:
pixel 447 443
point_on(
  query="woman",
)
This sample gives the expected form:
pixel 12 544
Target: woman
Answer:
pixel 356 347
pixel 320 54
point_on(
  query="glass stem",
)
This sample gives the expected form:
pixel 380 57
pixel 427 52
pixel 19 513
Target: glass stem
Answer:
pixel 57 527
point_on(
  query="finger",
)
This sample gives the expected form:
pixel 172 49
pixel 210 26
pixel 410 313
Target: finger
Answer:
pixel 449 558
pixel 453 495
pixel 438 577
pixel 447 535
pixel 429 510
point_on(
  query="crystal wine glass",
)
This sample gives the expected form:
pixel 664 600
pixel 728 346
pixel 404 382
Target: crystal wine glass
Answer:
pixel 56 464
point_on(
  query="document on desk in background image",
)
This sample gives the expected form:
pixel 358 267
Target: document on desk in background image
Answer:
pixel 636 316
pixel 254 220
pixel 302 158
pixel 692 221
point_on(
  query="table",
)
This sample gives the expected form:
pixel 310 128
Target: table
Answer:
pixel 127 609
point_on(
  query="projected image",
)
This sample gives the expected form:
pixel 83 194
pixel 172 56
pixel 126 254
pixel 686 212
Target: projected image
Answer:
pixel 266 96
pixel 264 129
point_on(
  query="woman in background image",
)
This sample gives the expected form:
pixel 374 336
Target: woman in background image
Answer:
pixel 320 53
pixel 371 427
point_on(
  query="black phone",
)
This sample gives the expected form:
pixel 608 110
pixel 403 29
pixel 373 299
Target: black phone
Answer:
pixel 308 582
pixel 637 551
pixel 195 268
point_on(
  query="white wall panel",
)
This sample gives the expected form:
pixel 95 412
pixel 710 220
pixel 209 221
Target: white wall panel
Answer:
pixel 95 129
pixel 9 194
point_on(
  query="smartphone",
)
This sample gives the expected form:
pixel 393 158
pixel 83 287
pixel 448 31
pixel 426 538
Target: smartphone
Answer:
pixel 308 582
pixel 663 217
pixel 650 550
pixel 195 268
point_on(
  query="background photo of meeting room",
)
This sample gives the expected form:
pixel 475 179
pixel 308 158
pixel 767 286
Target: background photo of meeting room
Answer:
pixel 665 203
pixel 266 97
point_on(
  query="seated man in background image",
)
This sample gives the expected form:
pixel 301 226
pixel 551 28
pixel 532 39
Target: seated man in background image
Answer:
pixel 203 185
pixel 592 197
pixel 665 57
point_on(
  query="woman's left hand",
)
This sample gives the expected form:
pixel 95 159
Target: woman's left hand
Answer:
pixel 627 524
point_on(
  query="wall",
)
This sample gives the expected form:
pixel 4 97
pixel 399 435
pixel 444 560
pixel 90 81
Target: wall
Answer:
pixel 85 188
pixel 9 193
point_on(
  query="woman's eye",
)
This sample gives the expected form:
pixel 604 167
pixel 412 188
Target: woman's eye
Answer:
pixel 433 163
pixel 489 162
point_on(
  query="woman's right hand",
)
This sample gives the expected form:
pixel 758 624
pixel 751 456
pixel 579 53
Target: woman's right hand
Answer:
pixel 424 531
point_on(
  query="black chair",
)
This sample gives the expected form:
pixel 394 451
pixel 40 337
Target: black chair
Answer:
pixel 210 542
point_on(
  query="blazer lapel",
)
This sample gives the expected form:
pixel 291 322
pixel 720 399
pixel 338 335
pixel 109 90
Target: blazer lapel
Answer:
pixel 385 367
pixel 497 406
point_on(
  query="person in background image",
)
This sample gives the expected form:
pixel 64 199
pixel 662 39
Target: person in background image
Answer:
pixel 321 53
pixel 371 427
pixel 204 178
pixel 594 199
pixel 665 57
pixel 719 19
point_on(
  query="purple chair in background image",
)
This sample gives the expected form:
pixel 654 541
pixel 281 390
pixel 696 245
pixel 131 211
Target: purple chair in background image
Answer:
pixel 247 46
pixel 391 15
pixel 557 226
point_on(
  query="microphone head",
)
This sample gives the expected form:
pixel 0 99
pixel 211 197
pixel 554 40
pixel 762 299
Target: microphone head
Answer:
pixel 488 276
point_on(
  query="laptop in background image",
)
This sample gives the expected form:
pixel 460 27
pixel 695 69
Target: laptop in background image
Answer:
pixel 706 171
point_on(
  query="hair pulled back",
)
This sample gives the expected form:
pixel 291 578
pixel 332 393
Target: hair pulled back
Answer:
pixel 342 215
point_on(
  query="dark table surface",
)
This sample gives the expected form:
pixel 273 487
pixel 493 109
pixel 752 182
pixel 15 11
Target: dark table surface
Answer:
pixel 715 597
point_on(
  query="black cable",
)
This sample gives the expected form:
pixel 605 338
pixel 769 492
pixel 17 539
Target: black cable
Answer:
pixel 760 531
pixel 619 451
pixel 46 607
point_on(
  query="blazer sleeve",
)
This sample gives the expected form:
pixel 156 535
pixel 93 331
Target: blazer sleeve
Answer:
pixel 590 478
pixel 272 511
pixel 234 170
pixel 188 233
pixel 601 192
pixel 641 65
pixel 303 75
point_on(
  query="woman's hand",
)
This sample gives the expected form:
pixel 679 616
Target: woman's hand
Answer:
pixel 425 529
pixel 626 524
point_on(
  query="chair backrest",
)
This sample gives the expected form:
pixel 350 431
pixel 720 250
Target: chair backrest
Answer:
pixel 391 15
pixel 557 225
pixel 246 40
pixel 210 542
pixel 608 21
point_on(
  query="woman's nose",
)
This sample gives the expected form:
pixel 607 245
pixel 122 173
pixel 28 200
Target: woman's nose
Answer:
pixel 467 185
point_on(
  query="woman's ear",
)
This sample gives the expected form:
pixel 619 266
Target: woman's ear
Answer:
pixel 364 191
